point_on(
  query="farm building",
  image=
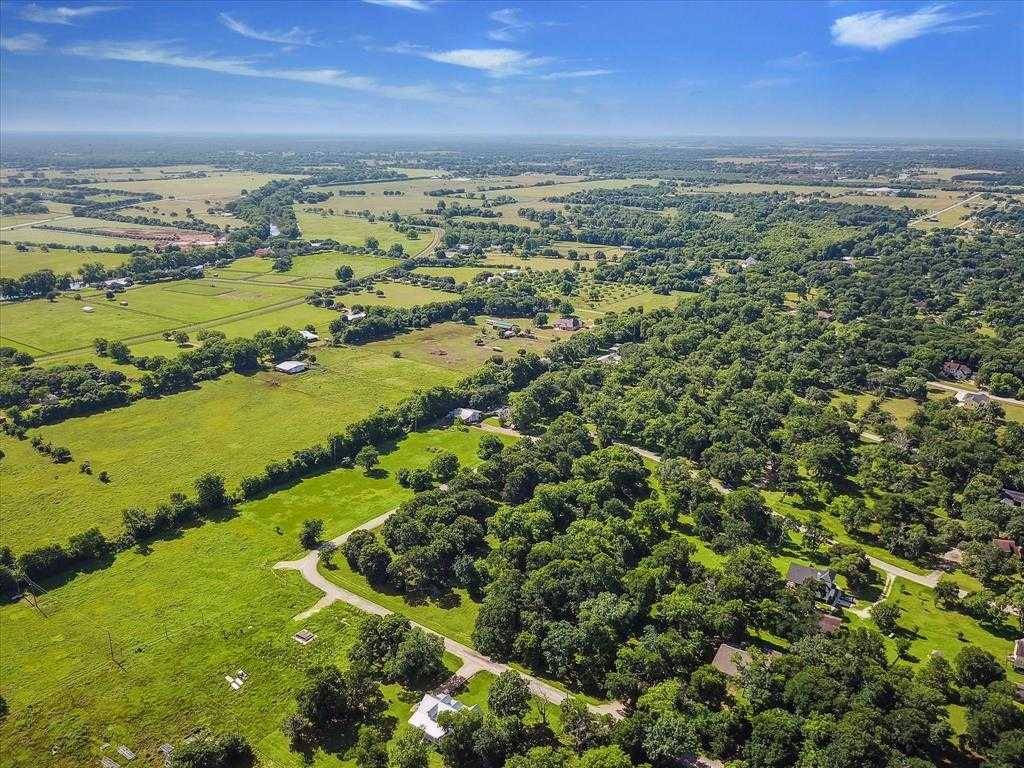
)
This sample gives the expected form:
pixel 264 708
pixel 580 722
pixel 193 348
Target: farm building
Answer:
pixel 430 709
pixel 353 316
pixel 502 325
pixel 118 282
pixel 309 335
pixel 291 366
pixel 467 415
pixel 568 323
pixel 972 399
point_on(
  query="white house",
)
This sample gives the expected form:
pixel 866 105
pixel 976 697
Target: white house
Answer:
pixel 291 366
pixel 353 316
pixel 467 415
pixel 431 708
pixel 309 335
pixel 971 399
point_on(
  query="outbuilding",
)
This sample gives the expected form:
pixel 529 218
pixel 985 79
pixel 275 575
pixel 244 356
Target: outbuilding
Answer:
pixel 291 366
pixel 309 335
pixel 568 323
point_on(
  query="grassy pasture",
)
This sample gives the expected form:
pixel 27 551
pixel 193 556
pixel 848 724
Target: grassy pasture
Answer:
pixel 62 325
pixel 14 263
pixel 354 230
pixel 397 295
pixel 451 345
pixel 36 236
pixel 233 426
pixel 324 264
pixel 177 210
pixel 414 198
pixel 217 186
pixel 176 630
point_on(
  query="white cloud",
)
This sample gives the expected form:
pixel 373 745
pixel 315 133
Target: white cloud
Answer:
pixel 407 5
pixel 771 82
pixel 62 14
pixel 497 62
pixel 576 73
pixel 878 30
pixel 513 24
pixel 294 36
pixel 157 53
pixel 28 42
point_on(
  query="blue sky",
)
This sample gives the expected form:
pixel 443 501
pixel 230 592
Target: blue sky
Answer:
pixel 831 69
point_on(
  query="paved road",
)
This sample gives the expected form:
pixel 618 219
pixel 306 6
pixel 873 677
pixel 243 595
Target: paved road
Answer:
pixel 472 661
pixel 953 388
pixel 949 207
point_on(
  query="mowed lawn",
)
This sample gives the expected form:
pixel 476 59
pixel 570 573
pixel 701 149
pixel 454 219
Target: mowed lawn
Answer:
pixel 325 263
pixel 948 631
pixel 181 616
pixel 234 426
pixel 44 326
pixel 14 263
pixel 354 230
pixel 396 295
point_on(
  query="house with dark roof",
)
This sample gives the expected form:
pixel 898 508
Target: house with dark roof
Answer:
pixel 1012 498
pixel 825 583
pixel 954 369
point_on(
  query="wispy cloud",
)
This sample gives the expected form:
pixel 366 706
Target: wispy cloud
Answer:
pixel 573 74
pixel 294 36
pixel 878 30
pixel 62 14
pixel 512 24
pixel 771 82
pixel 497 62
pixel 28 42
pixel 158 53
pixel 406 5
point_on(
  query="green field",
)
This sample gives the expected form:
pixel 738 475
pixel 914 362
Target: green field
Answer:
pixel 183 614
pixel 396 295
pixel 216 186
pixel 354 230
pixel 948 631
pixel 325 263
pixel 233 425
pixel 44 326
pixel 14 263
